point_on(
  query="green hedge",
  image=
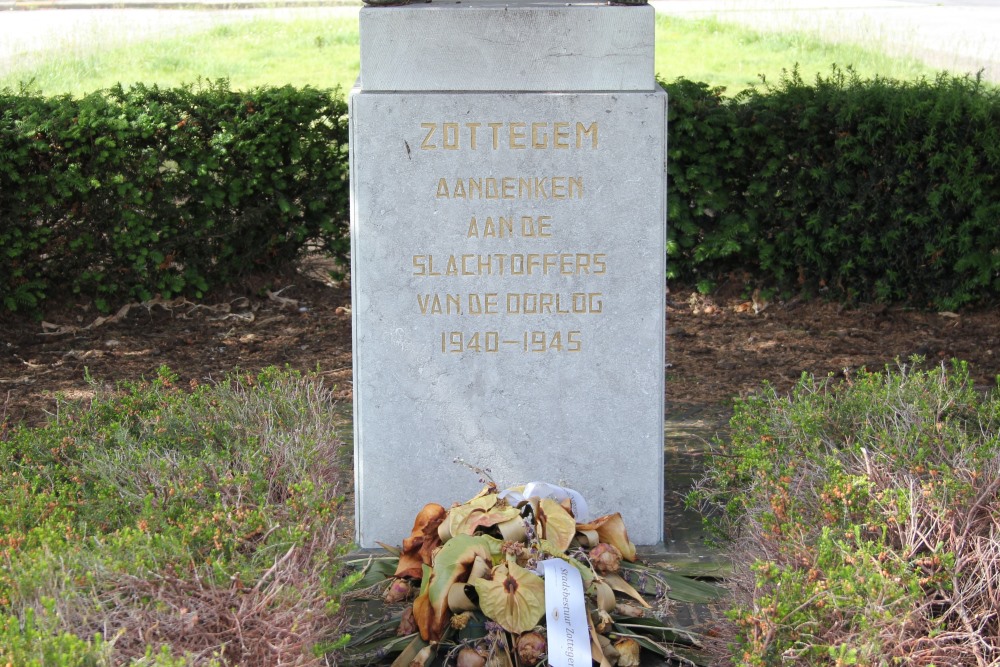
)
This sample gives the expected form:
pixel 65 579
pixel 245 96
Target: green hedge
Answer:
pixel 872 190
pixel 860 189
pixel 128 193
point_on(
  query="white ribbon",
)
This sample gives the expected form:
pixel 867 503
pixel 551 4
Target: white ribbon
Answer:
pixel 545 490
pixel 566 615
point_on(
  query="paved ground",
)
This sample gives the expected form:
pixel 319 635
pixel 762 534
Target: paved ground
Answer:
pixel 959 35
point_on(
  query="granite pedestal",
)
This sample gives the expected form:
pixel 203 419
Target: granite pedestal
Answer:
pixel 508 268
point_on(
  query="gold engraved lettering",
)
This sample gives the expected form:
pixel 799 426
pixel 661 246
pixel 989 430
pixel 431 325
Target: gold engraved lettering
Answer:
pixel 513 135
pixel 523 188
pixel 432 304
pixel 473 229
pixel 586 131
pixel 531 227
pixel 517 135
pixel 559 187
pixel 560 135
pixel 442 191
pixel 496 133
pixel 540 191
pixel 426 143
pixel 539 136
pixel 545 303
pixel 423 265
pixel 475 188
pixel 450 131
pixel 511 188
pixel 517 264
pixel 549 303
pixel 483 304
pixel 502 228
pixel 472 134
pixel 507 185
pixel 588 303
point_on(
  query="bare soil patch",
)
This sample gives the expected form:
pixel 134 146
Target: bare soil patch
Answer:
pixel 718 346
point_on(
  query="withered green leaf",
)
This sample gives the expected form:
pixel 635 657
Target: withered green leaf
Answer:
pixel 452 564
pixel 514 598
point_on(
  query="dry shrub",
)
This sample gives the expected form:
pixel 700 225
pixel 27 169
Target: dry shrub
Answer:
pixel 949 537
pixel 274 623
pixel 194 526
pixel 863 521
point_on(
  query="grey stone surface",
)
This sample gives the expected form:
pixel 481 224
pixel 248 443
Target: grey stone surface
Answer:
pixel 529 46
pixel 508 278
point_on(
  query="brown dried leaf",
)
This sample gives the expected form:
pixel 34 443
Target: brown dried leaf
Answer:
pixel 616 582
pixel 453 564
pixel 611 530
pixel 558 525
pixel 419 546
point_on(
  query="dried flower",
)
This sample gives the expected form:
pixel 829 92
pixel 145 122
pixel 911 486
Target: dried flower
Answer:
pixel 531 648
pixel 606 558
pixel 459 621
pixel 608 649
pixel 398 591
pixel 407 624
pixel 629 610
pixel 603 622
pixel 628 652
pixel 513 549
pixel 471 657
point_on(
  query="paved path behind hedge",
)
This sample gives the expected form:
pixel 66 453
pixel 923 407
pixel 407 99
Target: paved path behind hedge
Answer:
pixel 959 35
pixel 25 34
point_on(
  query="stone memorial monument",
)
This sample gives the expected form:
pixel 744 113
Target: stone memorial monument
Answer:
pixel 508 184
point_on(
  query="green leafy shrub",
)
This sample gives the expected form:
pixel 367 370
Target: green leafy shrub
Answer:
pixel 26 643
pixel 860 189
pixel 861 517
pixel 128 193
pixel 201 522
pixel 866 189
pixel 707 229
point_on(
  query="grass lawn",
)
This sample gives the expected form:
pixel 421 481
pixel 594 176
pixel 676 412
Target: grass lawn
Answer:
pixel 322 51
